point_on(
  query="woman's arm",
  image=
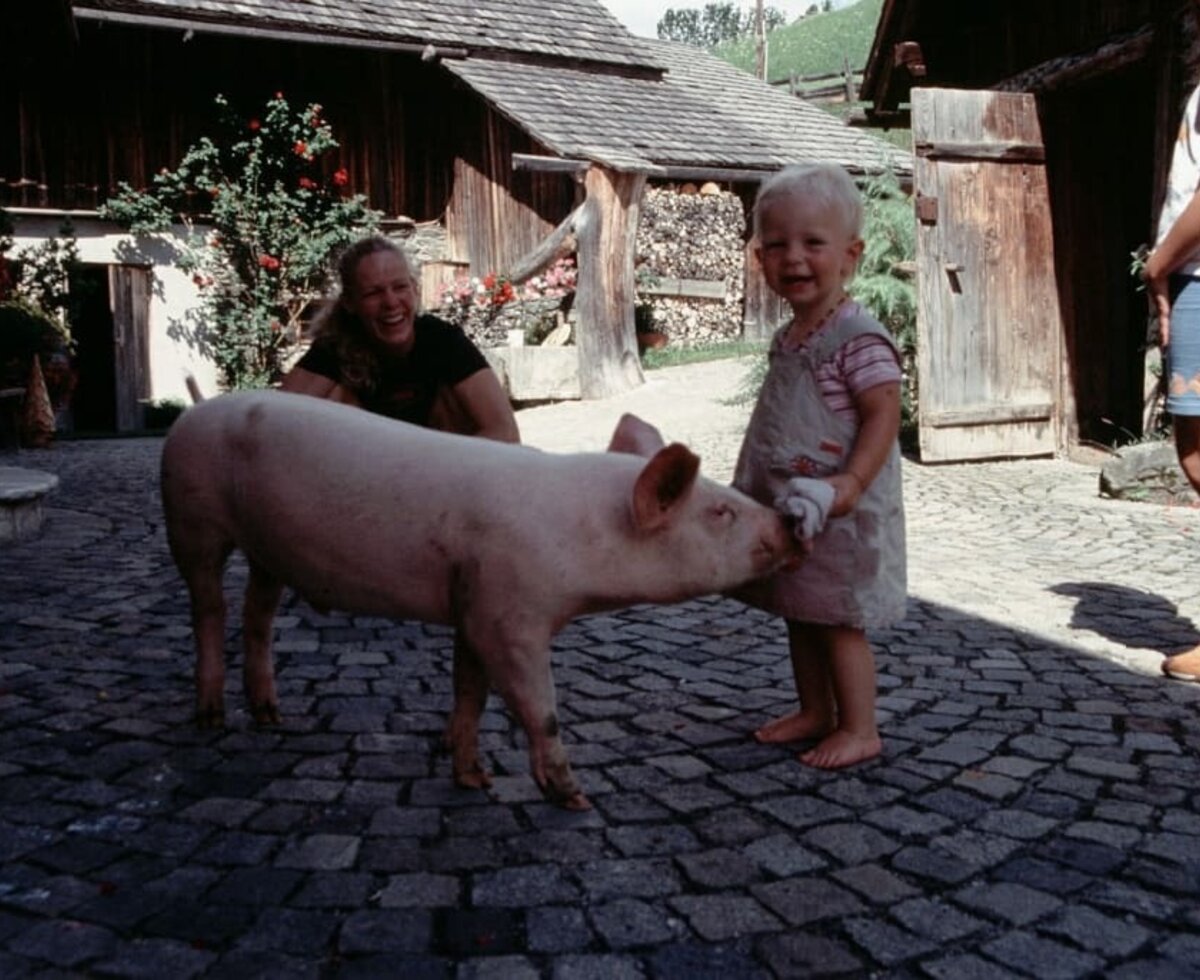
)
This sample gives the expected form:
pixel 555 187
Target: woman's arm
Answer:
pixel 483 400
pixel 304 382
pixel 879 409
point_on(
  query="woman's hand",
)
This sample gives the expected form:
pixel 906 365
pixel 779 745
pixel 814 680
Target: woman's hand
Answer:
pixel 1159 298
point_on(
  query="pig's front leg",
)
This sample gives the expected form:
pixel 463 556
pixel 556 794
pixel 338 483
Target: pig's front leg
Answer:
pixel 462 733
pixel 258 670
pixel 518 665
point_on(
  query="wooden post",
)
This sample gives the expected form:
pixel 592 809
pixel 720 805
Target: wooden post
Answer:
pixel 762 310
pixel 604 293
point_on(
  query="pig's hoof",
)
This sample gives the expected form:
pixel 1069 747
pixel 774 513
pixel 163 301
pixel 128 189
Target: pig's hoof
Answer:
pixel 477 778
pixel 569 799
pixel 576 802
pixel 211 717
pixel 265 713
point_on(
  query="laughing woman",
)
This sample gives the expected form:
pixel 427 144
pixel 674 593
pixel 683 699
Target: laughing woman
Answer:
pixel 374 350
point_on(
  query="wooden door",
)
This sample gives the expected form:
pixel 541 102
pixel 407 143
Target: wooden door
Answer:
pixel 129 294
pixel 990 341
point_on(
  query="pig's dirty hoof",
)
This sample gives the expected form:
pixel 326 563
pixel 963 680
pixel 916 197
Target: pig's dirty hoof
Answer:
pixel 477 778
pixel 266 713
pixel 569 799
pixel 210 718
pixel 576 802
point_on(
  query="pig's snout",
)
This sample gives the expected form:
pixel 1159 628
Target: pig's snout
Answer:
pixel 778 545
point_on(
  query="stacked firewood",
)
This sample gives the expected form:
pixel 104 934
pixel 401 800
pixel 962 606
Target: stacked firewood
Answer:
pixel 692 233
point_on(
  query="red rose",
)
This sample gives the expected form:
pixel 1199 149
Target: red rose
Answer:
pixel 268 262
pixel 307 183
pixel 301 148
pixel 340 177
pixel 255 125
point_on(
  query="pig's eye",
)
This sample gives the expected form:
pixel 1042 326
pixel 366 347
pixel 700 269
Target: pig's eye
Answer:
pixel 723 513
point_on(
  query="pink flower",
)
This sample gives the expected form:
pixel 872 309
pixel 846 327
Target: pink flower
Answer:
pixel 307 183
pixel 268 262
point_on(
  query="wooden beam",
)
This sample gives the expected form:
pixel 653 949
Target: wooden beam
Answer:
pixel 1075 69
pixel 548 165
pixel 988 415
pixel 184 26
pixel 686 288
pixel 561 241
pixel 1010 151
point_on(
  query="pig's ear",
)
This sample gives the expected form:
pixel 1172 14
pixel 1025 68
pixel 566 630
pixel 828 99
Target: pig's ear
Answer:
pixel 636 436
pixel 662 484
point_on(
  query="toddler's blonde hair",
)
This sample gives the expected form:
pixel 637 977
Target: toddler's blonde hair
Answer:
pixel 826 183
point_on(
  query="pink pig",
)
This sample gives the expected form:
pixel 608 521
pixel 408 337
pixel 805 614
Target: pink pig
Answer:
pixel 506 543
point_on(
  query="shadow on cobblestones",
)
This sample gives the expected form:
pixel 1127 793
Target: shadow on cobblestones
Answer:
pixel 1034 813
pixel 1129 616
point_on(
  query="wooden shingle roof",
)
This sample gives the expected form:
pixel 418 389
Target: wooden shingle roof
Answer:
pixel 581 30
pixel 702 113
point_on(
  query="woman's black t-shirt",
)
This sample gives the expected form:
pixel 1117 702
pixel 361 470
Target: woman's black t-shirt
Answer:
pixel 442 355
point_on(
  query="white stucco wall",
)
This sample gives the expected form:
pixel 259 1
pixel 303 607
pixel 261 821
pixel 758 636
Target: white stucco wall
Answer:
pixel 172 355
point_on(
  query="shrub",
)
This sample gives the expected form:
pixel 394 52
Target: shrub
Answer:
pixel 263 218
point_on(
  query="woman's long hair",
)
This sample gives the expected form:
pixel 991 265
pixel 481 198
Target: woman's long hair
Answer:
pixel 359 357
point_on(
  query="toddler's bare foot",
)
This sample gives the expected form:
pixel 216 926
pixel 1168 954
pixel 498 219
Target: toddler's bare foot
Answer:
pixel 842 749
pixel 792 728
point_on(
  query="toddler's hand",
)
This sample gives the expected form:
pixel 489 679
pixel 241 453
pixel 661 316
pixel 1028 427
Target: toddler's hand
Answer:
pixel 847 488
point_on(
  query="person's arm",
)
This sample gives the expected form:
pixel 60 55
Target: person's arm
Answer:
pixel 304 382
pixel 879 411
pixel 483 400
pixel 1182 241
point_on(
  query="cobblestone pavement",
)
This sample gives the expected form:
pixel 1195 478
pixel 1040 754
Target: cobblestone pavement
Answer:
pixel 1035 812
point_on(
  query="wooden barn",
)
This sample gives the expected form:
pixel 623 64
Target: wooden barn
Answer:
pixel 1041 134
pixel 521 126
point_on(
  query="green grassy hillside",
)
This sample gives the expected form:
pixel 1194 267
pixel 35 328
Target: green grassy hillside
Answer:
pixel 814 45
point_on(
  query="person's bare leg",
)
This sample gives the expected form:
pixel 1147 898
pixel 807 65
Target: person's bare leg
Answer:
pixel 810 670
pixel 852 668
pixel 1186 665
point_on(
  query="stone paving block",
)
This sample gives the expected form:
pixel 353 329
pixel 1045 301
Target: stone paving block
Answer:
pixel 717 918
pixel 634 877
pixel 370 931
pixel 851 843
pixel 64 942
pixel 155 958
pixel 629 922
pixel 1041 957
pixel 783 855
pixel 480 932
pixel 803 954
pixel 595 966
pixel 695 962
pixel 557 929
pixel 800 901
pixel 886 943
pixel 522 887
pixel 966 967
pixel 1014 903
pixel 320 852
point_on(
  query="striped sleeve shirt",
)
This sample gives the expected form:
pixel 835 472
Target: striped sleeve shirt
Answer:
pixel 859 365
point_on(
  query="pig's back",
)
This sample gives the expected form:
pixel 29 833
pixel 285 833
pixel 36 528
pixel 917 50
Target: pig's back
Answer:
pixel 364 513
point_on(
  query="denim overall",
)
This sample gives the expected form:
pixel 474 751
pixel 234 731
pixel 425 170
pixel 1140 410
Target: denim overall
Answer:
pixel 856 573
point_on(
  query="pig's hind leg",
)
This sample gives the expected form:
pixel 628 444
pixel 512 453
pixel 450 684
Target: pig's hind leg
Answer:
pixel 462 733
pixel 202 564
pixel 258 669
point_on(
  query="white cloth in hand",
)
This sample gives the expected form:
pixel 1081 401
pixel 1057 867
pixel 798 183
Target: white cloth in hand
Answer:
pixel 807 501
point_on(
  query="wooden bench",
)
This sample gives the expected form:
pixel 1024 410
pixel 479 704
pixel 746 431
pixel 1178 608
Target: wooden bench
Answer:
pixel 21 493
